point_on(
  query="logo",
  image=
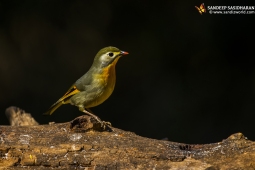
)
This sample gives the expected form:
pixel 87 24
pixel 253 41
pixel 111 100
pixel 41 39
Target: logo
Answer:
pixel 226 9
pixel 201 9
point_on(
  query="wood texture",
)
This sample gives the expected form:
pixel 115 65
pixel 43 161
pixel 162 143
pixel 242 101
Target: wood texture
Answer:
pixel 83 144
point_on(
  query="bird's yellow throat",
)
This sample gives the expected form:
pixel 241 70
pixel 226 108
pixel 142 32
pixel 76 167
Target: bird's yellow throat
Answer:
pixel 107 71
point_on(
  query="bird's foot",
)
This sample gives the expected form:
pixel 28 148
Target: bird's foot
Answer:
pixel 104 125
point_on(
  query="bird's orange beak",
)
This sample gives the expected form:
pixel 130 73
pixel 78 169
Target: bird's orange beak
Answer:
pixel 124 53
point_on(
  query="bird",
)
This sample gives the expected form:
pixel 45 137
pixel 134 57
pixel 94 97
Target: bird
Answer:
pixel 95 86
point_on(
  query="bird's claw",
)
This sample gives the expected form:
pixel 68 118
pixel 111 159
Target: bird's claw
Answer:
pixel 104 124
pixel 107 123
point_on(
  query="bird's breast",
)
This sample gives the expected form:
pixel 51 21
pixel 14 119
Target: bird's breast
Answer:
pixel 105 83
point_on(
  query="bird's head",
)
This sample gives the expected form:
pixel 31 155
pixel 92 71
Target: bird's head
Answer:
pixel 108 55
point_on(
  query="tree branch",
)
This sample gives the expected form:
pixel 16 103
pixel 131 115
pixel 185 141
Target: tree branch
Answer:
pixel 82 143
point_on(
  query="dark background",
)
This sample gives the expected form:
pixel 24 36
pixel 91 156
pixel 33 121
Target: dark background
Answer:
pixel 189 77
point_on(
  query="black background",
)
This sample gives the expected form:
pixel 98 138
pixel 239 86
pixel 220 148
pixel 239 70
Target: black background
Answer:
pixel 189 77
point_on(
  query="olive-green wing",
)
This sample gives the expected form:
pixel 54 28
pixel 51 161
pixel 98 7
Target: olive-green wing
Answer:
pixel 86 80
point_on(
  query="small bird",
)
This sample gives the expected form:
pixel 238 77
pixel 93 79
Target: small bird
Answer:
pixel 94 87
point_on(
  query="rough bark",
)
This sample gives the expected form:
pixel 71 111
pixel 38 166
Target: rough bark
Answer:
pixel 18 117
pixel 83 144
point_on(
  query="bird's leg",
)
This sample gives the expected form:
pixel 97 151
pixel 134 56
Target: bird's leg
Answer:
pixel 104 123
pixel 91 114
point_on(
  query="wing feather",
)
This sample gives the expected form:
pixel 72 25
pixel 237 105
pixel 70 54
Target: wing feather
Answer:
pixel 63 100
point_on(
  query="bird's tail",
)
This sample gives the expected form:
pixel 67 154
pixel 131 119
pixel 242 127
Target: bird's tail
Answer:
pixel 53 108
pixel 63 100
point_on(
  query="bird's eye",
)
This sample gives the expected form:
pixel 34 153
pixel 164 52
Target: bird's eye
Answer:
pixel 110 54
